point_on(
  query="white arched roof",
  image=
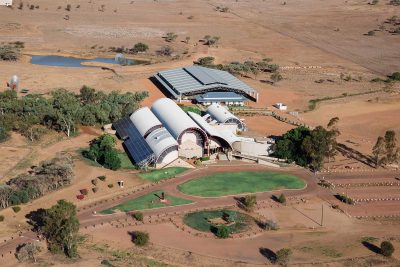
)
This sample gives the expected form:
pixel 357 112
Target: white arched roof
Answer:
pixel 173 118
pixel 220 113
pixel 229 137
pixel 159 140
pixel 145 120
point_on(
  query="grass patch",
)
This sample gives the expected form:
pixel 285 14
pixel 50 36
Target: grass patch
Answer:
pixel 202 220
pixel 312 103
pixel 158 175
pixel 193 109
pixel 149 201
pixel 331 252
pixel 126 162
pixel 222 184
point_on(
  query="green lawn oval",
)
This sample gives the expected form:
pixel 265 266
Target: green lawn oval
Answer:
pixel 223 184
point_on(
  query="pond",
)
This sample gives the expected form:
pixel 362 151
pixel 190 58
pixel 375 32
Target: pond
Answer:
pixel 60 61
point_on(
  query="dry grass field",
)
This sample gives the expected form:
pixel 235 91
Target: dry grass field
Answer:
pixel 316 43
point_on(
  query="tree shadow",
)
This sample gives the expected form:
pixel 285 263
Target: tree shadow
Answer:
pixel 372 247
pixel 269 254
pixel 132 234
pixel 35 219
pixel 354 154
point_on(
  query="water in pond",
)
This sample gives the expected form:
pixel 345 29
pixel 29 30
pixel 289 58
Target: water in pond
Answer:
pixel 60 61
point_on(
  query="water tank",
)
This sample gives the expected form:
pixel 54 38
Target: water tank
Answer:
pixel 14 82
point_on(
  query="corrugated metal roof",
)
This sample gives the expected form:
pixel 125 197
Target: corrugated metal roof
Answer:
pixel 160 140
pixel 145 120
pixel 174 119
pixel 223 115
pixel 196 79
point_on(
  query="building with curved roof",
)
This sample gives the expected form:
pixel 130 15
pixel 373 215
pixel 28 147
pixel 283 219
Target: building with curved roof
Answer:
pixel 191 138
pixel 195 80
pixel 222 115
pixel 164 146
pixel 145 121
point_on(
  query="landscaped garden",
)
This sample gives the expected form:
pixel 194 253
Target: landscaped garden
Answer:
pixel 210 221
pixel 150 201
pixel 158 175
pixel 223 184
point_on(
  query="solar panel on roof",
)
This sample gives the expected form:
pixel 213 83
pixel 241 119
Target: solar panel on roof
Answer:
pixel 121 127
pixel 137 146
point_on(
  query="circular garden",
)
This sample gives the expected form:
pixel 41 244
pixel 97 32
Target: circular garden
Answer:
pixel 216 220
pixel 224 184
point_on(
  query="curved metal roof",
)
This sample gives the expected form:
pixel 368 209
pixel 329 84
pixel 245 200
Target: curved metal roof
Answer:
pixel 145 121
pixel 159 140
pixel 196 79
pixel 220 113
pixel 228 137
pixel 174 119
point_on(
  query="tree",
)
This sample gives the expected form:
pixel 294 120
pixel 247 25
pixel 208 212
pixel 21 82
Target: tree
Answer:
pixel 387 248
pixel 165 51
pixel 67 110
pixel 9 53
pixel 140 47
pixel 205 61
pixel 61 227
pixel 138 216
pixel 283 256
pixel 170 37
pixel 140 238
pixel 391 147
pixel 276 77
pixel 379 151
pixel 395 76
pixel 211 40
pixel 28 251
pixel 112 160
pixel 332 135
pixel 222 231
pixel 316 146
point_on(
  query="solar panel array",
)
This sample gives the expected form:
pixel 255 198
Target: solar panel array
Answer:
pixel 134 142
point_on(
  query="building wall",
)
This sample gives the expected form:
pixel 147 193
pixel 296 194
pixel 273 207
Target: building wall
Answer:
pixel 252 148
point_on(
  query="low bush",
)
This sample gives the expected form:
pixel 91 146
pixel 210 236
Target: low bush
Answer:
pixel 387 248
pixel 268 225
pixel 95 189
pixel 141 238
pixel 102 178
pixel 250 201
pixel 80 197
pixel 1 218
pixel 283 256
pixel 110 185
pixel 138 216
pixel 345 199
pixel 84 191
pixel 16 209
pixel 222 232
pixel 94 181
pixel 282 199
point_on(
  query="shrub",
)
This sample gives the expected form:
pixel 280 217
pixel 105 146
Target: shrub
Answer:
pixel 282 199
pixel 140 47
pixel 110 185
pixel 222 232
pixel 68 8
pixel 205 158
pixel 395 76
pixel 387 248
pixel 141 238
pixel 16 209
pixel 371 33
pixel 80 197
pixel 138 216
pixel 102 178
pixel 9 53
pixel 31 7
pixel 250 201
pixel 345 199
pixel 276 77
pixel 28 251
pixel 1 218
pixel 170 37
pixel 283 256
pixel 95 189
pixel 268 225
pixel 84 192
pixel 94 181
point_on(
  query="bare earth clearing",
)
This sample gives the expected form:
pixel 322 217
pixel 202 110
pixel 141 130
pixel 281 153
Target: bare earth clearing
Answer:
pixel 311 40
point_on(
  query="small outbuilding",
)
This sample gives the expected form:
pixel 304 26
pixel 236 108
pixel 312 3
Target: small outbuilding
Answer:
pixel 280 106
